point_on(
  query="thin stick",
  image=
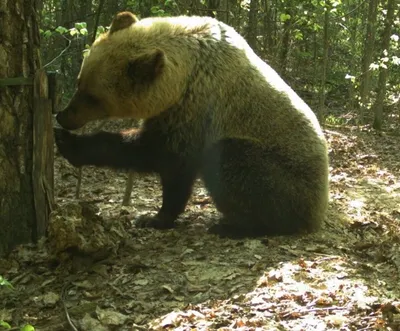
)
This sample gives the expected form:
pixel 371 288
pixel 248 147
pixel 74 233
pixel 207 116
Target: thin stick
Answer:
pixel 128 189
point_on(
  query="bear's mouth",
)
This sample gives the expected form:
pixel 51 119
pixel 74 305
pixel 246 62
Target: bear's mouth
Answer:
pixel 68 122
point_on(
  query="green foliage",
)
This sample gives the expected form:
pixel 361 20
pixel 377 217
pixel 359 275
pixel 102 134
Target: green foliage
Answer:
pixel 351 78
pixel 284 17
pixel 157 11
pixel 61 30
pixel 68 30
pixel 6 326
pixel 5 282
pixel 3 324
pixel 333 120
pixel 79 28
pixel 164 9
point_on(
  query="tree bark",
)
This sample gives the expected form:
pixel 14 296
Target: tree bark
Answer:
pixel 19 57
pixel 353 42
pixel 367 58
pixel 322 90
pixel 268 28
pixel 284 50
pixel 252 26
pixel 378 106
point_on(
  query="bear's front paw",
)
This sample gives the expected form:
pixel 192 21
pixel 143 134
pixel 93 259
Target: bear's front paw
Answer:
pixel 68 146
pixel 155 222
pixel 232 230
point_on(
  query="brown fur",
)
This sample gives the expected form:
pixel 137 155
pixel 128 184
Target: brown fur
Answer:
pixel 122 21
pixel 210 102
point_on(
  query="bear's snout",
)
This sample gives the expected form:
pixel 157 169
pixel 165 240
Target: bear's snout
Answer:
pixel 67 121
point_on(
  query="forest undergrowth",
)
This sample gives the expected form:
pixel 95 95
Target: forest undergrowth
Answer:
pixel 96 271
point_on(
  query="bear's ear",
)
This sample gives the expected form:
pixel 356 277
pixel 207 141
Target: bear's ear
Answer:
pixel 146 68
pixel 122 21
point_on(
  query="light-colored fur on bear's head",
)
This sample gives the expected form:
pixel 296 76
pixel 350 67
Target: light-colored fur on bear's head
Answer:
pixel 140 68
pixel 122 63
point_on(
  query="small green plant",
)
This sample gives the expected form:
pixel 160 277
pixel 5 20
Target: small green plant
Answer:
pixel 3 324
pixel 5 282
pixel 333 120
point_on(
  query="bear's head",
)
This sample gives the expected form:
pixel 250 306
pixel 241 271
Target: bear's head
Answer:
pixel 132 71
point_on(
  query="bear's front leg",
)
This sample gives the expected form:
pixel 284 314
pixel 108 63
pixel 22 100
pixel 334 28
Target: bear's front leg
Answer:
pixel 177 178
pixel 141 151
pixel 70 146
pixel 127 150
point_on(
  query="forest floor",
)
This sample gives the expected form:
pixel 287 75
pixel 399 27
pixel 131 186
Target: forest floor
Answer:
pixel 102 273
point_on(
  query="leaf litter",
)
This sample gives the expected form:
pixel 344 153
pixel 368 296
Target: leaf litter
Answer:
pixel 96 271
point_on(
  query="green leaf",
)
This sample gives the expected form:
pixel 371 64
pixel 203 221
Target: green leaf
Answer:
pixel 154 9
pixel 73 31
pixel 5 282
pixel 80 25
pixel 100 29
pixel 83 31
pixel 47 34
pixel 61 30
pixel 352 78
pixel 316 27
pixel 85 52
pixel 298 35
pixel 284 17
pixel 28 327
pixel 5 325
pixel 169 3
pixel 373 66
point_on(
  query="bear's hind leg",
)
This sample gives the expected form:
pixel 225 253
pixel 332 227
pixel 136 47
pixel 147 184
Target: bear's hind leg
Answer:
pixel 177 180
pixel 259 193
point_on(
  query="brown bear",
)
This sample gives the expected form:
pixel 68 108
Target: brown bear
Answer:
pixel 211 108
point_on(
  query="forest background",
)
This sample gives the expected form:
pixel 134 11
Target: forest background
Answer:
pixel 342 57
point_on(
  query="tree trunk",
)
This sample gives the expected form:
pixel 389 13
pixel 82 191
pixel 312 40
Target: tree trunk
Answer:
pixel 322 90
pixel 315 79
pixel 268 31
pixel 367 58
pixel 353 45
pixel 378 106
pixel 252 27
pixel 284 51
pixel 21 167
